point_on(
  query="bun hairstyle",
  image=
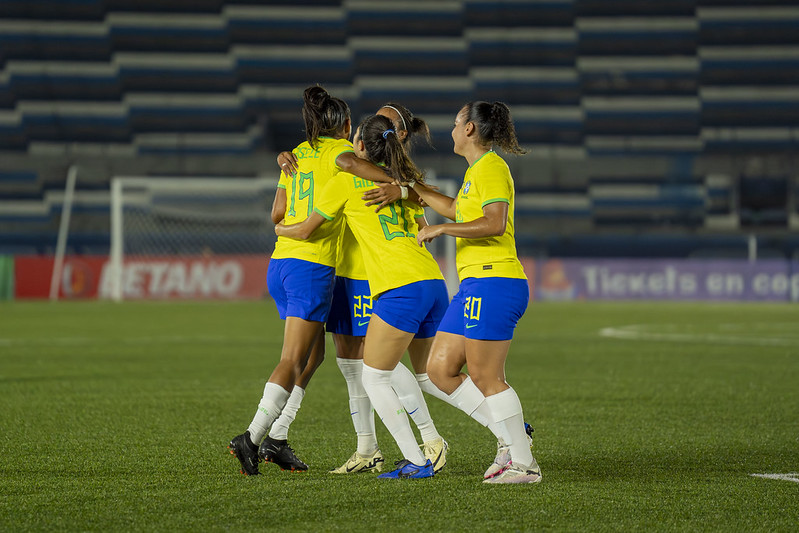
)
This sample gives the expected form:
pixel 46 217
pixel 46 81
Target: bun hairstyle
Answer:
pixel 383 146
pixel 494 125
pixel 324 115
pixel 413 125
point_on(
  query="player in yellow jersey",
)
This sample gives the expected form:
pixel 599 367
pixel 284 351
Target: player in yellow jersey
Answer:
pixel 408 290
pixel 300 274
pixel 350 312
pixel 493 293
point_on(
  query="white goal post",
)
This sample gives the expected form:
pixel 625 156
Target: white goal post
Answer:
pixel 169 234
pixel 168 217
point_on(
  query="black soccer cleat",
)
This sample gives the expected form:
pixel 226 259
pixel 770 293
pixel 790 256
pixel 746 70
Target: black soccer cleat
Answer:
pixel 242 448
pixel 280 453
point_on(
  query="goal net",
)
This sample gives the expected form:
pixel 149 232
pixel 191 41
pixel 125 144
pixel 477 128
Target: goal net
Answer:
pixel 204 238
pixel 189 237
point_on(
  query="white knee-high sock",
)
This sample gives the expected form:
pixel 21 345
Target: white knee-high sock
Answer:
pixel 363 418
pixel 280 427
pixel 385 401
pixel 269 408
pixel 468 398
pixel 410 396
pixel 507 412
pixel 430 388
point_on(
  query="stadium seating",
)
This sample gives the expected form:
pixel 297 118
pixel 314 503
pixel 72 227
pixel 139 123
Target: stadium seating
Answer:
pixel 629 85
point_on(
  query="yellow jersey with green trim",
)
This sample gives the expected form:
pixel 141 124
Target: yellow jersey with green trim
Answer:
pixel 487 181
pixel 387 239
pixel 349 263
pixel 316 167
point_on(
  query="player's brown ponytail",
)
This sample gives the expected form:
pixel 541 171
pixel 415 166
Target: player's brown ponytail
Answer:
pixel 494 125
pixel 324 115
pixel 384 147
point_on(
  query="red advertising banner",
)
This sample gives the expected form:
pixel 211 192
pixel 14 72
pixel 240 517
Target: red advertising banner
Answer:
pixel 217 277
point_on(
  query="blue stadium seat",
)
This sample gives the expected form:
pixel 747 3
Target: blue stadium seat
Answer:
pixel 74 121
pixel 153 72
pixel 750 106
pixel 55 40
pixel 749 65
pixel 409 57
pixel 522 47
pixel 398 18
pixel 63 80
pixel 634 8
pixel 285 25
pixel 164 32
pixel 293 65
pixel 750 140
pixel 54 9
pixel 423 94
pixel 749 25
pixel 549 125
pixel 642 115
pixel 654 76
pixel 647 203
pixel 527 85
pixel 514 13
pixel 185 113
pixel 637 36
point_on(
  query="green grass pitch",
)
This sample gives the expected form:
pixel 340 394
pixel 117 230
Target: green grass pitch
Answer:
pixel 647 416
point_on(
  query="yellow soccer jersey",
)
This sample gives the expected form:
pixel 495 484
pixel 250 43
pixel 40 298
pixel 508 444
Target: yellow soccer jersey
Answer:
pixel 487 181
pixel 388 239
pixel 349 263
pixel 316 168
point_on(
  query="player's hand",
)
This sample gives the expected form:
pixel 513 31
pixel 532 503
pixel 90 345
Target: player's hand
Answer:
pixel 428 233
pixel 384 194
pixel 279 228
pixel 287 162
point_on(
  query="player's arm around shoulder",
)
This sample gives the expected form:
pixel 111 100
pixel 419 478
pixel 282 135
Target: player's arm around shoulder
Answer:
pixel 279 205
pixel 300 231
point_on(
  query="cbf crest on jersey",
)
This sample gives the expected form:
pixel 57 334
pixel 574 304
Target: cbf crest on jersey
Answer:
pixel 466 187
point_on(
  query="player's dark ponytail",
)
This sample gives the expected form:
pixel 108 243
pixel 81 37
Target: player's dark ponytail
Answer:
pixel 324 115
pixel 415 126
pixel 494 125
pixel 383 146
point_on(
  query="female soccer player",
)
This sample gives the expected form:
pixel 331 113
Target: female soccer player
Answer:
pixel 349 317
pixel 493 293
pixel 408 290
pixel 300 274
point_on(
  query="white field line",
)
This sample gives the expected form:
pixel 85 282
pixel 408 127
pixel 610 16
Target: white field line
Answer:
pixel 638 332
pixel 793 476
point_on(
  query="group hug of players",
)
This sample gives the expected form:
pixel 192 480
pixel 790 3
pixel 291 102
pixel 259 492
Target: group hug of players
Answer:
pixel 350 257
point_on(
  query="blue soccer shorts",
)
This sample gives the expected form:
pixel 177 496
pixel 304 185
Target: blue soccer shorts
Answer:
pixel 351 308
pixel 300 288
pixel 486 308
pixel 415 308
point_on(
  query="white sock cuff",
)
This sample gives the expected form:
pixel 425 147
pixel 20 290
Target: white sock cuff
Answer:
pixel 504 405
pixel 297 393
pixel 273 390
pixel 467 396
pixel 350 367
pixel 375 375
